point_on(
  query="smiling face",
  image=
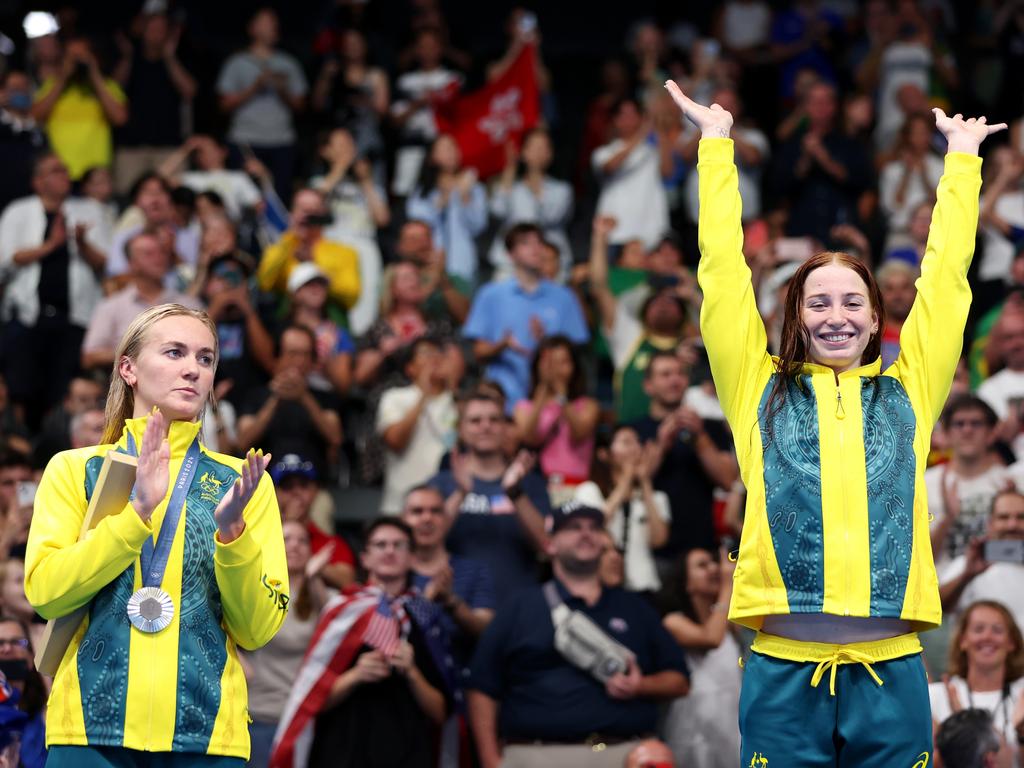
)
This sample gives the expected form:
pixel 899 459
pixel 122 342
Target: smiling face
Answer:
pixel 986 638
pixel 174 369
pixel 838 320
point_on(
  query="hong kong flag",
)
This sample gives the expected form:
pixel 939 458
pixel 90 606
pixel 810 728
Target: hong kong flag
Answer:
pixel 484 121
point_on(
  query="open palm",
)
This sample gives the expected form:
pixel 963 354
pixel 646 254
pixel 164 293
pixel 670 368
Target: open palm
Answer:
pixel 228 514
pixel 712 121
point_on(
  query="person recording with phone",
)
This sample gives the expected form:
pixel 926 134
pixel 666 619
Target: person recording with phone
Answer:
pixel 304 241
pixel 17 668
pixel 992 568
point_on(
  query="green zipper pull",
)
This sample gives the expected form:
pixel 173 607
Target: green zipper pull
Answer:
pixel 840 411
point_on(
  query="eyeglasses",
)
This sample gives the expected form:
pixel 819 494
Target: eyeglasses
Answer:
pixel 13 642
pixel 380 546
pixel 964 423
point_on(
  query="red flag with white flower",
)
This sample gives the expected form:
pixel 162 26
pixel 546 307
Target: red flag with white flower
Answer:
pixel 484 121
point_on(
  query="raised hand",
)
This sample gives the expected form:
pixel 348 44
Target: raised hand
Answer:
pixel 151 475
pixel 713 121
pixel 228 514
pixel 965 135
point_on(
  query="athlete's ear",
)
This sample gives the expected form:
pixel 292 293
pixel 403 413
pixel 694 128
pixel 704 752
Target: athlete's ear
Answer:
pixel 126 370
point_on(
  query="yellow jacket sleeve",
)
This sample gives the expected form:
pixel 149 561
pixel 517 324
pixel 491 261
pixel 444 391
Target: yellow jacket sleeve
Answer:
pixel 252 572
pixel 732 328
pixel 341 265
pixel 272 273
pixel 932 336
pixel 61 572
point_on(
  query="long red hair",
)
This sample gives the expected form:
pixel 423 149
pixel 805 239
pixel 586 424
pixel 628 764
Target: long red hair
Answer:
pixel 793 344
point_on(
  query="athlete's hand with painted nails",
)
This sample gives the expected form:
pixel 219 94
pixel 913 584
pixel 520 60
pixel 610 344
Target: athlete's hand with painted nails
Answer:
pixel 965 135
pixel 713 121
pixel 228 514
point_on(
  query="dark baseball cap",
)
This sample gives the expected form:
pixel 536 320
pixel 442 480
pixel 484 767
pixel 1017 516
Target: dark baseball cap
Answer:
pixel 571 510
pixel 292 464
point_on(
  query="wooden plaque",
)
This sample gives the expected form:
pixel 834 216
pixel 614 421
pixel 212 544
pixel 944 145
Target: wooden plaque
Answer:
pixel 113 489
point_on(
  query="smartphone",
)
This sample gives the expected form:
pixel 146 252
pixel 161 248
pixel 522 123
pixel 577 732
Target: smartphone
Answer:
pixel 26 493
pixel 15 670
pixel 1005 551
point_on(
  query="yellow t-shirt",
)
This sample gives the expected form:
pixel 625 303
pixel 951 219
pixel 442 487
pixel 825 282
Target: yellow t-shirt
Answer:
pixel 78 130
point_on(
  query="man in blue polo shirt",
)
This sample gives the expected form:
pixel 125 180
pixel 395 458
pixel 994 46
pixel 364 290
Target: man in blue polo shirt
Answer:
pixel 509 317
pixel 545 710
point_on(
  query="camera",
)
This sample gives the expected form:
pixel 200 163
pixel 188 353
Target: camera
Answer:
pixel 1004 551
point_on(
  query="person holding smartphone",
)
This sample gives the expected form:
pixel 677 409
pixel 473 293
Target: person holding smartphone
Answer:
pixel 189 570
pixel 992 567
pixel 835 566
pixel 303 241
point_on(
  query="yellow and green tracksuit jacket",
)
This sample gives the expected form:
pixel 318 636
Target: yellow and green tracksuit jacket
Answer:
pixel 182 689
pixel 836 517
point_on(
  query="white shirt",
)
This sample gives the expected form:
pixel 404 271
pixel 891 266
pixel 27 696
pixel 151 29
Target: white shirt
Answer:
pixel 991 701
pixel 1003 391
pixel 997 254
pixel 235 187
pixel 1003 582
pixel 640 571
pixel 919 189
pixel 976 494
pixel 23 225
pixel 633 194
pixel 433 434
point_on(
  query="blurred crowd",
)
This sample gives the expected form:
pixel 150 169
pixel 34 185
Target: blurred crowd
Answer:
pixel 484 362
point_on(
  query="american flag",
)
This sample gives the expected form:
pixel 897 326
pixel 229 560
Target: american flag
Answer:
pixel 345 626
pixel 387 626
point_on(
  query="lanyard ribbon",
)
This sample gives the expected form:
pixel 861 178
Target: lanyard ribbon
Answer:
pixel 153 560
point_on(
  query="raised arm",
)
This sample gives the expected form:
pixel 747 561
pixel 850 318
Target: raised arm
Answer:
pixel 733 331
pixel 932 336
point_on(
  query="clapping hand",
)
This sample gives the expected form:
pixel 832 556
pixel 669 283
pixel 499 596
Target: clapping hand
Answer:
pixel 228 514
pixel 713 121
pixel 518 469
pixel 317 562
pixel 151 476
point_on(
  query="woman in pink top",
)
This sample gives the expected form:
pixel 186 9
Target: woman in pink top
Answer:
pixel 558 420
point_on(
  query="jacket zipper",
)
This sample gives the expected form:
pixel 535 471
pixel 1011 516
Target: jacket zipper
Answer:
pixel 840 416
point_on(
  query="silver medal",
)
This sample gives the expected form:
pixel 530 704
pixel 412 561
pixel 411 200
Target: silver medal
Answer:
pixel 150 610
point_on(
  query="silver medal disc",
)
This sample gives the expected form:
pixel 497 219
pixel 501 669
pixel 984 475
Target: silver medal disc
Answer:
pixel 150 610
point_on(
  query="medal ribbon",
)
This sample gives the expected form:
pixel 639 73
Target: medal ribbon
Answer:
pixel 154 560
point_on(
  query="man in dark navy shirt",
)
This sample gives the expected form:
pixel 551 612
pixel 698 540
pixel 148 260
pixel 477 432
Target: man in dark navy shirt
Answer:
pixel 496 507
pixel 545 711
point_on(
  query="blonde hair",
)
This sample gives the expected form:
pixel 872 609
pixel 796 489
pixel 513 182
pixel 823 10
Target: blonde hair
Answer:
pixel 120 397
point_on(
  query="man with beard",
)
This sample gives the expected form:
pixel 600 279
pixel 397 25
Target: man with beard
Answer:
pixel 543 708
